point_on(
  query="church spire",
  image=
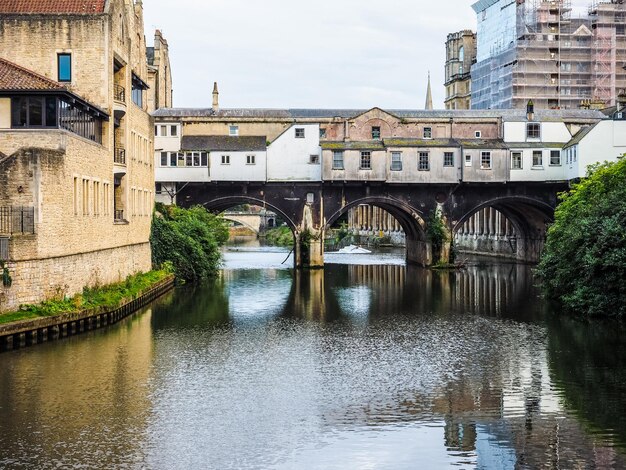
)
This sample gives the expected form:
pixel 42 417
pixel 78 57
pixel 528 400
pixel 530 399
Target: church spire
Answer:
pixel 429 95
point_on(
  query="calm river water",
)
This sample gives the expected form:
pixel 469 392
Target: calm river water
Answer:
pixel 368 364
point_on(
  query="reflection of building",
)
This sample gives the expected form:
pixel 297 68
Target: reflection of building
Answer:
pixel 76 175
pixel 460 55
pixel 539 50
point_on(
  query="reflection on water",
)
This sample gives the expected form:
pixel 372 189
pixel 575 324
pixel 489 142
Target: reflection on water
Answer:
pixel 353 366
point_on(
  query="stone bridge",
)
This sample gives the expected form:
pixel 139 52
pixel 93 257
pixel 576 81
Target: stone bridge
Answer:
pixel 309 209
pixel 255 221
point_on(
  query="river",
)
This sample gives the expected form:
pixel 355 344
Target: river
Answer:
pixel 367 364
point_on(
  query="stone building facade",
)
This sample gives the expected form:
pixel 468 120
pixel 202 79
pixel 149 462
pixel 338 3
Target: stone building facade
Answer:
pixel 460 56
pixel 160 93
pixel 76 146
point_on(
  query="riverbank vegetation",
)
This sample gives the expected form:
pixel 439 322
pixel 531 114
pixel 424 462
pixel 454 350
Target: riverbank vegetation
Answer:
pixel 109 296
pixel 279 236
pixel 584 261
pixel 189 239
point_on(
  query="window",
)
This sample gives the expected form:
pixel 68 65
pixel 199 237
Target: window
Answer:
pixel 204 159
pixel 314 159
pixel 173 131
pixel 448 159
pixel 233 131
pixel 164 158
pixel 196 158
pixel 516 160
pixel 299 133
pixel 555 157
pixel 163 131
pixel 85 206
pixel 156 130
pixel 173 158
pixel 468 160
pixel 76 203
pixel 322 133
pixel 137 90
pixel 533 130
pixel 180 159
pixel 485 160
pixel 396 161
pixel 250 159
pixel 225 159
pixel 424 163
pixel 34 111
pixel 366 160
pixel 537 158
pixel 375 133
pixel 428 133
pixel 337 159
pixel 574 153
pixel 64 63
pixel 478 134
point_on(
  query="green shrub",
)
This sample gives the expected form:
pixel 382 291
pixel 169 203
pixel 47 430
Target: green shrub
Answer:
pixel 279 236
pixel 584 260
pixel 109 296
pixel 189 239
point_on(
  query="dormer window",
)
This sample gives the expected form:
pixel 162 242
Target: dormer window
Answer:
pixel 233 131
pixel 533 130
pixel 375 133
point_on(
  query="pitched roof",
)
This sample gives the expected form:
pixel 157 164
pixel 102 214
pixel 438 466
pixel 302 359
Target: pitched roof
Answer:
pixel 83 7
pixel 16 78
pixel 224 142
pixel 580 135
pixel 578 115
pixel 412 142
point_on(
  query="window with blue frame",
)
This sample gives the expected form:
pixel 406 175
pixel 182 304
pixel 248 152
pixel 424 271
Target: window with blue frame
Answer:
pixel 64 62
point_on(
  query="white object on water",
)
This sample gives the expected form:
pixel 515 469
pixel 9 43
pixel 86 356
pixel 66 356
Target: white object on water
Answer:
pixel 353 249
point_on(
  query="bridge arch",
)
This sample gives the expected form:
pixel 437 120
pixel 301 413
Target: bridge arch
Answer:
pixel 528 217
pixel 222 204
pixel 240 221
pixel 411 219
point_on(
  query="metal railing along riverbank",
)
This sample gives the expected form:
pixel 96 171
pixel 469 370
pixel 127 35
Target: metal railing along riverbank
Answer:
pixel 19 334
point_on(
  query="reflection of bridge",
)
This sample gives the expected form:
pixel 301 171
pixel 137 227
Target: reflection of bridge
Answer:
pixel 255 221
pixel 309 209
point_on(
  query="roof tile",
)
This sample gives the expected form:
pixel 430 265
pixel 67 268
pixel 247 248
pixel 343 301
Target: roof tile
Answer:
pixel 15 77
pixel 84 7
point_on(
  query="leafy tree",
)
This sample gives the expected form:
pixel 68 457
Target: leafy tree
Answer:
pixel 189 239
pixel 584 260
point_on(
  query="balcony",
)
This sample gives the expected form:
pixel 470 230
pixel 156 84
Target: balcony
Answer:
pixel 119 93
pixel 119 156
pixel 17 220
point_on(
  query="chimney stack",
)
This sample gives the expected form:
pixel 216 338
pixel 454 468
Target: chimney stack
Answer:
pixel 216 105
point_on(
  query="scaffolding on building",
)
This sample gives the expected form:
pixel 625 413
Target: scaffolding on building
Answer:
pixel 556 60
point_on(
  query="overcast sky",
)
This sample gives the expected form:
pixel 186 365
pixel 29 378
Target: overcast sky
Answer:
pixel 303 53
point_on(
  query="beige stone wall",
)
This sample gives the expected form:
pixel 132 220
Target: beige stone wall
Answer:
pixel 70 180
pixel 67 275
pixel 160 76
pixel 33 41
pixel 5 113
pixel 269 129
